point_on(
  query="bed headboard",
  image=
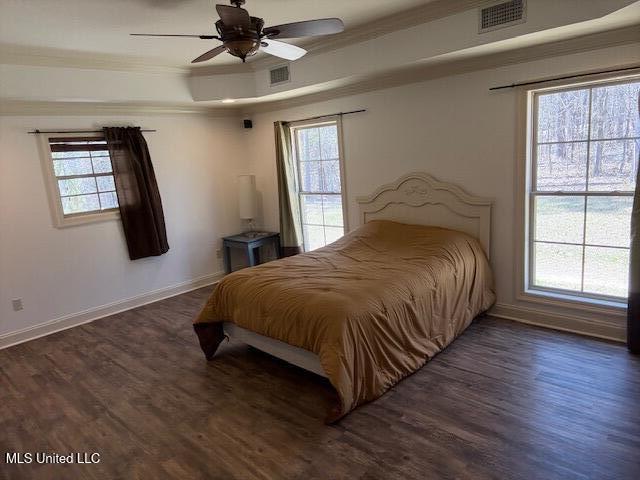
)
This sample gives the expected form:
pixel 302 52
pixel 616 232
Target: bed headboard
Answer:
pixel 418 198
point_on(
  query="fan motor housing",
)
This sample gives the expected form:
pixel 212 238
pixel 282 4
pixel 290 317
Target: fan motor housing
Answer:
pixel 241 42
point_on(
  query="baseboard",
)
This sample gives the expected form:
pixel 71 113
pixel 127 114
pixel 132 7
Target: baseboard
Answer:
pixel 86 316
pixel 604 328
pixel 609 330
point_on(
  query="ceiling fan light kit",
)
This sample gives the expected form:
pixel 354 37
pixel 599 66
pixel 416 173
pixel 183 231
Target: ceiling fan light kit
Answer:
pixel 243 35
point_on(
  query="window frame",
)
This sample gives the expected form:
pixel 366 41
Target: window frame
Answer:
pixel 59 219
pixel 526 173
pixel 305 124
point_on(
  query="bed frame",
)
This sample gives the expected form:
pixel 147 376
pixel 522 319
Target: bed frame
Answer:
pixel 415 198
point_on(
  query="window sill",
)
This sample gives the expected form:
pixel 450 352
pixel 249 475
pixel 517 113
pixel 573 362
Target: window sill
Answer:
pixel 74 220
pixel 593 305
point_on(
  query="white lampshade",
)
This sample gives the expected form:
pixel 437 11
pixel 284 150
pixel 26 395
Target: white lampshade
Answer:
pixel 247 196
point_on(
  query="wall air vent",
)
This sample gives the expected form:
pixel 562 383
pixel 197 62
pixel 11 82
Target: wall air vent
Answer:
pixel 279 75
pixel 501 15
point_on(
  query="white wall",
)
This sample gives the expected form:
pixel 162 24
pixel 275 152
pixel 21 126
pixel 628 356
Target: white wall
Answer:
pixel 453 128
pixel 58 272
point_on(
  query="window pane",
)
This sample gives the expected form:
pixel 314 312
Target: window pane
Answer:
pixel 333 233
pixel 559 219
pixel 83 173
pixel 332 207
pixel 105 183
pixel 309 144
pixel 310 173
pixel 563 116
pixel 612 165
pixel 606 271
pixel 319 168
pixel 587 138
pixel 562 167
pixel 614 111
pixel 558 266
pixel 313 237
pixel 79 204
pixel 77 186
pixel 72 166
pixel 609 221
pixel 101 165
pixel 58 155
pixel 331 176
pixel 108 200
pixel 329 142
pixel 312 209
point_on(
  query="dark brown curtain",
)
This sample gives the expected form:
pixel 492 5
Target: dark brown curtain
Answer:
pixel 633 308
pixel 137 190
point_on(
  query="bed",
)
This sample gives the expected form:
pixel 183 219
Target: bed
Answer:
pixel 373 307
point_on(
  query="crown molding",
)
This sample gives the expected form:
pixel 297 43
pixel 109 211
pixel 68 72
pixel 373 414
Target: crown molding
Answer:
pixel 451 65
pixel 52 57
pixel 20 107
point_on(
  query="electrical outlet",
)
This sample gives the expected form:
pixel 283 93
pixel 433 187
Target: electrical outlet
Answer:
pixel 16 303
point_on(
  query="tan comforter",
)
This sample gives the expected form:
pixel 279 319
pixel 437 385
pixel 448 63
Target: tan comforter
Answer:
pixel 374 306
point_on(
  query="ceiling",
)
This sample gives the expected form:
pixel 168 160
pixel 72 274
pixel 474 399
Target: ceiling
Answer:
pixel 92 59
pixel 103 27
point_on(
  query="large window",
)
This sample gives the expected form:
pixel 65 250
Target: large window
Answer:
pixel 583 159
pixel 81 179
pixel 319 165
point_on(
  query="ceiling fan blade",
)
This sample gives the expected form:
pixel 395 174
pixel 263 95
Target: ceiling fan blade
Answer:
pixel 210 54
pixel 234 15
pixel 282 50
pixel 204 37
pixel 324 26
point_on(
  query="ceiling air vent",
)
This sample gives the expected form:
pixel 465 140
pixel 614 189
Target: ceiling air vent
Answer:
pixel 279 75
pixel 502 15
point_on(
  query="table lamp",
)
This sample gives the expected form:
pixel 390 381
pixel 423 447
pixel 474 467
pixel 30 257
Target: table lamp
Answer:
pixel 247 199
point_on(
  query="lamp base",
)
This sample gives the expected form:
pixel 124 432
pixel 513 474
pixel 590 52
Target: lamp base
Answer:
pixel 254 234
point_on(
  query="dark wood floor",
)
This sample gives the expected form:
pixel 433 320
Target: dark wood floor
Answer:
pixel 504 401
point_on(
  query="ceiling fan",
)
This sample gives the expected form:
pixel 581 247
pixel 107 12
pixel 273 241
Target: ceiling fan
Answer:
pixel 243 35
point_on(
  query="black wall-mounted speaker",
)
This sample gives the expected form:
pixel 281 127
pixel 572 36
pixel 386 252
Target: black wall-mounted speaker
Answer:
pixel 248 124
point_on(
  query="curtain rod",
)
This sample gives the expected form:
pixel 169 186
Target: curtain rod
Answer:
pixel 513 85
pixel 36 131
pixel 326 116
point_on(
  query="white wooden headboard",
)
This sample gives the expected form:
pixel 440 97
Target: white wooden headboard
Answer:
pixel 420 199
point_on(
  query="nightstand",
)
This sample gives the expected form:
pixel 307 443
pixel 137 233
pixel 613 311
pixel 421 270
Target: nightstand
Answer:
pixel 250 243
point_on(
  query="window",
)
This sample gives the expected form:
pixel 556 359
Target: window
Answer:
pixel 81 181
pixel 317 149
pixel 583 157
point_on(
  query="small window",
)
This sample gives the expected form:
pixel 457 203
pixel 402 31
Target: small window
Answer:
pixel 317 149
pixel 81 182
pixel 582 169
